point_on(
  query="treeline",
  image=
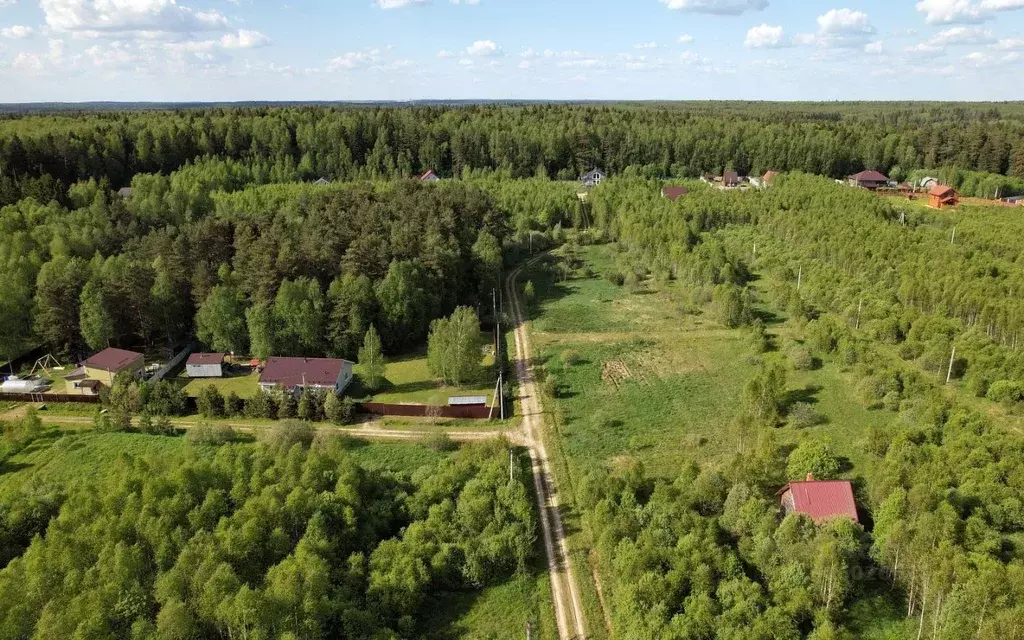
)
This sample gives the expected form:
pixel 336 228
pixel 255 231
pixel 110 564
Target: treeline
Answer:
pixel 257 541
pixel 42 155
pixel 281 269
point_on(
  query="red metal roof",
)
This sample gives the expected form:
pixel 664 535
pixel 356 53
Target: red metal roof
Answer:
pixel 768 175
pixel 942 191
pixel 869 176
pixel 205 358
pixel 428 175
pixel 112 360
pixel 295 372
pixel 823 499
pixel 673 192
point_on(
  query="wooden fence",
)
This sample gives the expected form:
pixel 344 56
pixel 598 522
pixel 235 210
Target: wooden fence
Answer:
pixel 476 412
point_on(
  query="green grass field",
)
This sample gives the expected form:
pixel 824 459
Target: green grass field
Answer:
pixel 408 380
pixel 246 385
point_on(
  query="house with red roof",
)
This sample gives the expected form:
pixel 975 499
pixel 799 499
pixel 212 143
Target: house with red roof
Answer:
pixel 296 374
pixel 822 500
pixel 767 177
pixel 429 176
pixel 869 179
pixel 673 192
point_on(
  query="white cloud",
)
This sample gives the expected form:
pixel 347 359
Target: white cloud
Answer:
pixel 28 63
pixel 399 4
pixel 685 39
pixel 875 47
pixel 353 60
pixel 951 37
pixel 484 49
pixel 764 36
pixel 839 28
pixel 444 53
pixel 964 11
pixel 7 3
pixel 719 7
pixel 469 2
pixel 844 21
pixel 16 32
pixel 646 45
pixel 111 16
pixel 1006 44
pixel 244 39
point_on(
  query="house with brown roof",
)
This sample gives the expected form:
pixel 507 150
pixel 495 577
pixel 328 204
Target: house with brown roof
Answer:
pixel 205 365
pixel 869 179
pixel 767 177
pixel 107 364
pixel 821 500
pixel 730 179
pixel 941 196
pixel 674 192
pixel 429 176
pixel 296 374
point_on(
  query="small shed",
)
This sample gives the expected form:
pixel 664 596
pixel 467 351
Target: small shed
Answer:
pixel 321 182
pixel 467 401
pixel 205 365
pixel 125 192
pixel 941 196
pixel 822 500
pixel 730 179
pixel 593 178
pixel 673 192
pixel 767 177
pixel 429 176
pixel 928 182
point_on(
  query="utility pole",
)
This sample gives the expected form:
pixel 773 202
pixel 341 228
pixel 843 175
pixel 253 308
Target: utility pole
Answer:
pixel 529 631
pixel 800 277
pixel 859 306
pixel 510 464
pixel 501 394
pixel 754 256
pixel 949 372
pixel 952 239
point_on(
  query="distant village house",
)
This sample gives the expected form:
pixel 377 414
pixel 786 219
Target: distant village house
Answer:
pixel 821 500
pixel 730 179
pixel 125 192
pixel 868 180
pixel 673 192
pixel 429 176
pixel 296 374
pixel 205 365
pixel 593 178
pixel 941 196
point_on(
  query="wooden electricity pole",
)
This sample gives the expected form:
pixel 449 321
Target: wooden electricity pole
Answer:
pixel 860 304
pixel 952 239
pixel 949 372
pixel 800 277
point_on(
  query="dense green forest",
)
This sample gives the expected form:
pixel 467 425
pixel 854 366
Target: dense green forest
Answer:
pixel 256 541
pixel 42 155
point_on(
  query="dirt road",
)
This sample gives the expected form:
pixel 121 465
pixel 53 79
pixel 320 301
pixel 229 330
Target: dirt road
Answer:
pixel 564 592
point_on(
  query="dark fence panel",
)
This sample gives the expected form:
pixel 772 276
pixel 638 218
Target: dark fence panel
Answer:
pixel 424 411
pixel 49 397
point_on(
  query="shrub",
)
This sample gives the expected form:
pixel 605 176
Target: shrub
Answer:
pixel 210 402
pixel 801 359
pixel 210 433
pixel 287 406
pixel 311 405
pixel 286 433
pixel 570 358
pixel 803 415
pixel 1005 391
pixel 440 442
pixel 233 405
pixel 261 405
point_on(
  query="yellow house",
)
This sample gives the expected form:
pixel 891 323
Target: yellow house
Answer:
pixel 108 363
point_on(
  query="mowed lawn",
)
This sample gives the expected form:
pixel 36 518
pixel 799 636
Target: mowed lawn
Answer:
pixel 408 380
pixel 243 383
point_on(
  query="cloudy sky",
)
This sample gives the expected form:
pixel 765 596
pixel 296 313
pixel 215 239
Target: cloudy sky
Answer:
pixel 175 50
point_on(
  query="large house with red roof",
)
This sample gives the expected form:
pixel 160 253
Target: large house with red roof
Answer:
pixel 822 500
pixel 296 374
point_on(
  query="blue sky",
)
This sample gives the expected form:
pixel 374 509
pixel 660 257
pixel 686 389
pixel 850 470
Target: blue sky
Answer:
pixel 75 50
